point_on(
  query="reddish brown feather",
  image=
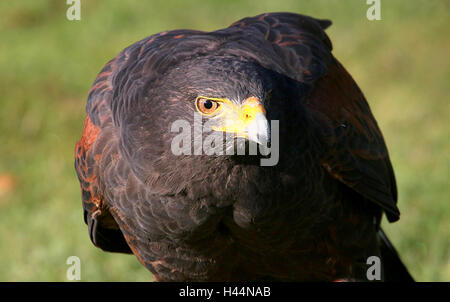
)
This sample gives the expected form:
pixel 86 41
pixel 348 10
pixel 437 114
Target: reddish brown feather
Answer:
pixel 90 133
pixel 82 152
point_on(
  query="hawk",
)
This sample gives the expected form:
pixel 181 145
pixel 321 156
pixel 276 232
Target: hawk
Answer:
pixel 314 215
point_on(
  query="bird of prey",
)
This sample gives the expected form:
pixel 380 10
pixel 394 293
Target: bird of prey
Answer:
pixel 314 215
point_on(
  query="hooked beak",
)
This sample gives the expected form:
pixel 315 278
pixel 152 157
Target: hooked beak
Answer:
pixel 248 121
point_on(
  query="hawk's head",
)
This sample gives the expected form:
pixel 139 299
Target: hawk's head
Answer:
pixel 230 95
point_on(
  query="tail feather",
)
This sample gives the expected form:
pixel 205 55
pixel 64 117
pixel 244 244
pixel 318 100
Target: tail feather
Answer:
pixel 393 268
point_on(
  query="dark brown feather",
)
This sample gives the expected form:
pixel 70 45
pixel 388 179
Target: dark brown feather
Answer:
pixel 357 155
pixel 314 216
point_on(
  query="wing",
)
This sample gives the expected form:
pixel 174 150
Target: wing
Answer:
pixel 96 151
pixel 105 174
pixel 356 153
pixel 93 147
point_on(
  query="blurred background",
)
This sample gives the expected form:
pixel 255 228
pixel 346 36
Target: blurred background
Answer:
pixel 47 65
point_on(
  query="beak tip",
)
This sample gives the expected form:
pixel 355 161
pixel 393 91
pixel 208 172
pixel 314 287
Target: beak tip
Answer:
pixel 259 130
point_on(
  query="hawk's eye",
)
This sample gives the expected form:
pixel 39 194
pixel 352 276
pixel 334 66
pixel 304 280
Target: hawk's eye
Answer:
pixel 206 106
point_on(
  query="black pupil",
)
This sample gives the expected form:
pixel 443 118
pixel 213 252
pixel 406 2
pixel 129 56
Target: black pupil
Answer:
pixel 208 104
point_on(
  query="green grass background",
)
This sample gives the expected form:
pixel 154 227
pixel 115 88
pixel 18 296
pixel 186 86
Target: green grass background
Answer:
pixel 47 65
